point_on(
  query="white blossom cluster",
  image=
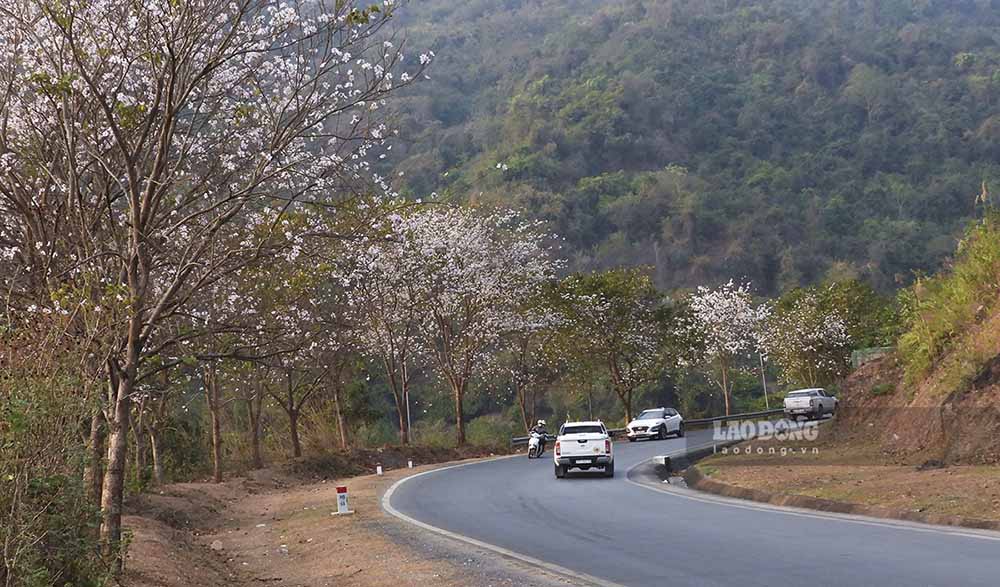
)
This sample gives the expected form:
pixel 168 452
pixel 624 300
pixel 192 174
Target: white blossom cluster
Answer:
pixel 149 146
pixel 448 284
pixel 725 321
pixel 809 341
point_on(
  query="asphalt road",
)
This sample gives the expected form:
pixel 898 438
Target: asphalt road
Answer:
pixel 627 533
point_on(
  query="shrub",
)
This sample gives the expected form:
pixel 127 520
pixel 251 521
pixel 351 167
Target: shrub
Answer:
pixel 491 431
pixel 937 309
pixel 48 523
pixel 48 526
pixel 375 434
pixel 435 433
pixel 883 389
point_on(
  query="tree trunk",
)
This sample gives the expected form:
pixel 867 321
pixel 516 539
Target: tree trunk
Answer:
pixel 401 413
pixel 459 388
pixel 406 401
pixel 254 404
pixel 139 434
pixel 399 395
pixel 214 409
pixel 216 448
pixel 725 387
pixel 113 490
pixel 93 472
pixel 293 425
pixel 621 388
pixel 522 403
pixel 155 427
pixel 625 396
pixel 154 445
pixel 398 384
pixel 341 420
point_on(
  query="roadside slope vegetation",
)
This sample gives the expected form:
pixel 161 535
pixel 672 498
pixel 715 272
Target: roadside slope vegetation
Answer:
pixel 938 396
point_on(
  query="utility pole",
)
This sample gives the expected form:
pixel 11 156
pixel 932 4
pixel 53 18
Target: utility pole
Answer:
pixel 763 380
pixel 409 427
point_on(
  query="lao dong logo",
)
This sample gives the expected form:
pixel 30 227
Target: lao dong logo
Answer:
pixel 780 430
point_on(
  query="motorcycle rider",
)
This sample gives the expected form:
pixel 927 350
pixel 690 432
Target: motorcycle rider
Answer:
pixel 539 429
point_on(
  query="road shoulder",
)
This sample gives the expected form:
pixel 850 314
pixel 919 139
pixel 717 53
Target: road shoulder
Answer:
pixel 544 572
pixel 831 473
pixel 647 475
pixel 270 529
pixel 696 479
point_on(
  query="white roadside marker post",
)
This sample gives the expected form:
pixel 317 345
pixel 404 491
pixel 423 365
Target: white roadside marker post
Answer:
pixel 378 469
pixel 409 464
pixel 342 506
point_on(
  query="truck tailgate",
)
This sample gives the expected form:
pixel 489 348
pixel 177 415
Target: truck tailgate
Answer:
pixel 574 446
pixel 797 403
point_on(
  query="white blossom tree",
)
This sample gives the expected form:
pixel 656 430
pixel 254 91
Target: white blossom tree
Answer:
pixel 480 269
pixel 134 133
pixel 444 284
pixel 726 326
pixel 303 335
pixel 809 340
pixel 384 309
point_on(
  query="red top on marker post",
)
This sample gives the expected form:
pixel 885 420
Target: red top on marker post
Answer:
pixel 341 489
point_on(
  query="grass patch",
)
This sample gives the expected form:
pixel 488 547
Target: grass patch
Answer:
pixel 883 389
pixel 940 309
pixel 707 470
pixel 966 361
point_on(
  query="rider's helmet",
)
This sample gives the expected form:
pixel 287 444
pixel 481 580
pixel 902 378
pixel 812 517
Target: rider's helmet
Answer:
pixel 541 422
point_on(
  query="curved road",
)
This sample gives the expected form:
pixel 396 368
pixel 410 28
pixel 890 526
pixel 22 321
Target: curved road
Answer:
pixel 623 532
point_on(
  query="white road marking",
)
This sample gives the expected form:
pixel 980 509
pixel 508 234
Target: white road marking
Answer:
pixel 574 577
pixel 733 502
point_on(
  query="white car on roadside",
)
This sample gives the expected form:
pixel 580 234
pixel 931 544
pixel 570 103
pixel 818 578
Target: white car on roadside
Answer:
pixel 583 445
pixel 813 403
pixel 655 423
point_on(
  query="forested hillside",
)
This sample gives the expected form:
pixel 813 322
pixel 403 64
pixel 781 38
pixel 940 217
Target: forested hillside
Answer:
pixel 772 140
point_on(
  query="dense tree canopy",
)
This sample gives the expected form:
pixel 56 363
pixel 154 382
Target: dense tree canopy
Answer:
pixel 764 140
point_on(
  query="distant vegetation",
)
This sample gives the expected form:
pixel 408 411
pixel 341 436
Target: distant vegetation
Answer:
pixel 777 141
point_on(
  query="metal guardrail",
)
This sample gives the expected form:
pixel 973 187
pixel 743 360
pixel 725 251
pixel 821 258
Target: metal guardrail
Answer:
pixel 745 416
pixel 519 440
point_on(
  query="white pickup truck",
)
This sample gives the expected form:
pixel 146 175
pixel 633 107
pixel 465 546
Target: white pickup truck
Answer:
pixel 583 445
pixel 809 402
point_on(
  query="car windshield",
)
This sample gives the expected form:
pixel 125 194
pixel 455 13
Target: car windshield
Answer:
pixel 650 415
pixel 587 429
pixel 806 393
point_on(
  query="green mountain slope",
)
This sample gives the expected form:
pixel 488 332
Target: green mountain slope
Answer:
pixel 775 140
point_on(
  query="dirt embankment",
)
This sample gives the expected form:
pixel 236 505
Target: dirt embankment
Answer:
pixel 275 527
pixel 853 477
pixel 928 451
pixel 952 416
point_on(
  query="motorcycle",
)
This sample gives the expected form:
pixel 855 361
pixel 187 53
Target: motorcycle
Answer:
pixel 535 448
